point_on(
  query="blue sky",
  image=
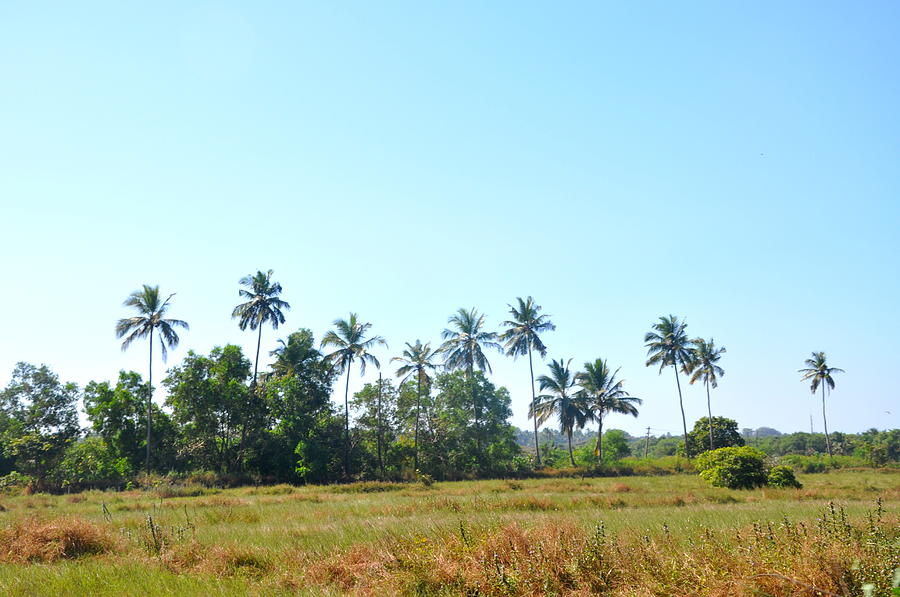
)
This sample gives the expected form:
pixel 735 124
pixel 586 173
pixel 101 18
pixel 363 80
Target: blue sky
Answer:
pixel 730 163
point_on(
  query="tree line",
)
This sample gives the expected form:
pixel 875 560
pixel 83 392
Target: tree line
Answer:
pixel 440 416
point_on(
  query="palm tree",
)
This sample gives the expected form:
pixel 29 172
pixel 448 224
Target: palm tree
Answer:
pixel 668 344
pixel 416 360
pixel 568 407
pixel 349 338
pixel 521 338
pixel 705 357
pixel 292 355
pixel 604 394
pixel 263 305
pixel 462 348
pixel 819 372
pixel 150 317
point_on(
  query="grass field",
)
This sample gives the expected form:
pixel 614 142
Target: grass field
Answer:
pixel 622 536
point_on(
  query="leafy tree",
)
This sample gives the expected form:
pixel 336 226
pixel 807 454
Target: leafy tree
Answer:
pixel 219 415
pixel 783 476
pixel 723 430
pixel 603 394
pixel 263 305
pixel 615 445
pixel 40 419
pixel 667 344
pixel 521 338
pixel 151 311
pixel 91 463
pixel 417 360
pixel 562 402
pixel 733 467
pixel 296 354
pixel 462 349
pixel 705 358
pixel 450 448
pixel 377 425
pixel 819 373
pixel 117 415
pixel 349 340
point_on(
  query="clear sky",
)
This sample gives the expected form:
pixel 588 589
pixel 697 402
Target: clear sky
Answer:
pixel 737 164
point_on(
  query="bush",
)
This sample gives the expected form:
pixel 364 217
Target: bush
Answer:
pixel 734 467
pixel 783 476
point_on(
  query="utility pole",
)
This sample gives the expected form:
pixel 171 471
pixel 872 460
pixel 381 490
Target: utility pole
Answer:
pixel 647 444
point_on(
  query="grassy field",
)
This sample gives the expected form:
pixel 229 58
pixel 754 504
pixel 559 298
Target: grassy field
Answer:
pixel 621 536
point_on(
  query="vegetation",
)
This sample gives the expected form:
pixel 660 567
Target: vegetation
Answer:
pixel 604 395
pixel 668 344
pixel 705 368
pixel 636 536
pixel 818 371
pixel 733 467
pixel 263 305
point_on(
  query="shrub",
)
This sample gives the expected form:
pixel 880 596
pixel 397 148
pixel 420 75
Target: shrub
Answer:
pixel 734 467
pixel 783 476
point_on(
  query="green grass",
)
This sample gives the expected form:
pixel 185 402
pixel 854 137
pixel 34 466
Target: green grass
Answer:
pixel 267 539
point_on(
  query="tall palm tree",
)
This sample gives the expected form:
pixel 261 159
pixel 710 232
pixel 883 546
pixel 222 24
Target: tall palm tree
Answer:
pixel 151 311
pixel 462 348
pixel 262 305
pixel 521 338
pixel 349 340
pixel 705 357
pixel 292 355
pixel 819 372
pixel 667 344
pixel 561 401
pixel 416 360
pixel 603 394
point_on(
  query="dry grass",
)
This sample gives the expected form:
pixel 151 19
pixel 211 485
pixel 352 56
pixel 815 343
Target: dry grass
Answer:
pixel 33 540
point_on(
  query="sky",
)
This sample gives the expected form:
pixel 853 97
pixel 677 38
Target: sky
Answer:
pixel 735 164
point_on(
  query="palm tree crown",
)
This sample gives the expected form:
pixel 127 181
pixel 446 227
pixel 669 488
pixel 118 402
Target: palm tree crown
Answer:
pixel 604 394
pixel 569 408
pixel 151 311
pixel 521 337
pixel 462 346
pixel 263 305
pixel 704 358
pixel 819 373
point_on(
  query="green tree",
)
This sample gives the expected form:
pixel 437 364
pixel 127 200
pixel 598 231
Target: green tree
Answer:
pixel 263 305
pixel 705 357
pixel 462 349
pixel 602 394
pixel 733 467
pixel 151 311
pixel 349 340
pixel 40 419
pixel 819 373
pixel 417 360
pixel 570 408
pixel 724 432
pixel 295 355
pixel 91 463
pixel 521 338
pixel 615 445
pixel 377 425
pixel 218 414
pixel 667 344
pixel 117 415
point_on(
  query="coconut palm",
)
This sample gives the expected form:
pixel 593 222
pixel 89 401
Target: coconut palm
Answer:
pixel 416 360
pixel 667 344
pixel 570 408
pixel 150 317
pixel 349 338
pixel 263 305
pixel 293 355
pixel 818 371
pixel 462 348
pixel 705 357
pixel 603 394
pixel 521 338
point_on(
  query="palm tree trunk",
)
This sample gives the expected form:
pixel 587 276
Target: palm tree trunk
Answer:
pixel 471 375
pixel 149 401
pixel 825 422
pixel 683 420
pixel 347 424
pixel 378 422
pixel 709 412
pixel 416 435
pixel 256 363
pixel 600 439
pixel 571 456
pixel 537 447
